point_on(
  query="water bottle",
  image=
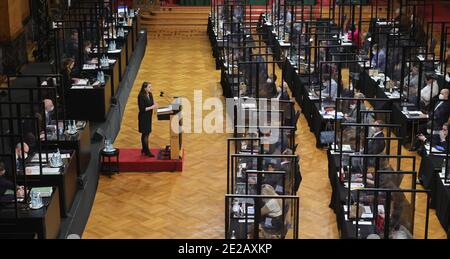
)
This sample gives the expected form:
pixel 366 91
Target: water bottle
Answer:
pixel 36 200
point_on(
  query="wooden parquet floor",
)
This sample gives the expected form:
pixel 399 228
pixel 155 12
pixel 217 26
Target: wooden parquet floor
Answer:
pixel 191 204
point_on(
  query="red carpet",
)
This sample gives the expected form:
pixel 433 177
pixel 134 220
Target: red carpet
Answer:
pixel 131 160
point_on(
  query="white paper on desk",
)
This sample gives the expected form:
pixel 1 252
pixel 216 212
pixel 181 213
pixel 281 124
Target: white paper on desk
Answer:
pixel 415 112
pixel 35 158
pixel 367 223
pixel 248 220
pixel 82 82
pixel 89 67
pixel 366 215
pixel 248 105
pixel 33 170
pixel 115 51
pixel 346 148
pixel 50 170
pixel 77 87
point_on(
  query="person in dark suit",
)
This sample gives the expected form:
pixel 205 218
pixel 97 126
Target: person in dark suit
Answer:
pixel 146 106
pixel 6 184
pixel 441 109
pixel 67 76
pixel 376 146
pixel 49 112
pixel 438 140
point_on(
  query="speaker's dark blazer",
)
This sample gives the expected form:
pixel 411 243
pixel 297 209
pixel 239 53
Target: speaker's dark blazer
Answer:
pixel 145 117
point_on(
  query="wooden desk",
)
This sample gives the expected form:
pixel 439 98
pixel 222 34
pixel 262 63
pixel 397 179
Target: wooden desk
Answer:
pixel 66 181
pixel 112 71
pixel 44 222
pixel 89 104
pixel 80 143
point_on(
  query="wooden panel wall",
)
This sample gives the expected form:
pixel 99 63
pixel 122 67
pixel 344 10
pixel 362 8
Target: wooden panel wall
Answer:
pixel 13 13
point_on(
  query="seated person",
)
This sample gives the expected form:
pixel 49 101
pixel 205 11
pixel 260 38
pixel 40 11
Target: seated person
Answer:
pixel 379 58
pixel 430 90
pixel 272 179
pixel 439 140
pixel 272 210
pixel 49 112
pixel 87 51
pixel 352 115
pixel 330 88
pixel 411 84
pixel 442 109
pixel 67 74
pixel 6 184
pixel 376 146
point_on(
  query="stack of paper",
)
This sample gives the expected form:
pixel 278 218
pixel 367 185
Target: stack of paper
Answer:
pixel 44 191
pixel 50 171
pixel 32 170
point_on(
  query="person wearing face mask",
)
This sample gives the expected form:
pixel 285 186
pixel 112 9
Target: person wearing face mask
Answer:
pixel 441 109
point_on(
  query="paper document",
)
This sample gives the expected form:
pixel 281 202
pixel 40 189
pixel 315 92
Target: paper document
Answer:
pixel 32 170
pixel 165 110
pixel 114 51
pixel 50 170
pixel 44 191
pixel 82 82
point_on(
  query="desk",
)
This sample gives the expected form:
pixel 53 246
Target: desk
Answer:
pixel 44 222
pixel 339 200
pixel 89 104
pixel 112 71
pixel 407 130
pixel 442 203
pixel 80 143
pixel 430 166
pixel 66 181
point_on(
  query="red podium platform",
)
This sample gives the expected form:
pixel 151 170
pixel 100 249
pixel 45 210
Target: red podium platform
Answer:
pixel 131 160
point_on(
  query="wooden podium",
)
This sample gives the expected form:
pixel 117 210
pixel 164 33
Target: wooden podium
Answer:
pixel 172 113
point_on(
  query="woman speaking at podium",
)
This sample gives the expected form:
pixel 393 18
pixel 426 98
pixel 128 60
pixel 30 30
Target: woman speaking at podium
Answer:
pixel 146 107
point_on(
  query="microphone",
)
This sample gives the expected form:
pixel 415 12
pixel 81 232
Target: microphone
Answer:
pixel 166 97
